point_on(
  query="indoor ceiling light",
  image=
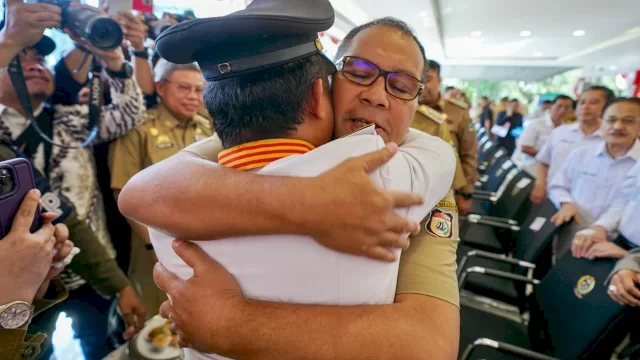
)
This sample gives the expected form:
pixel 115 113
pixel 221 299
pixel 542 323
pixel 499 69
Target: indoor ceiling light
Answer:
pixel 525 33
pixel 579 33
pixel 537 54
pixel 476 34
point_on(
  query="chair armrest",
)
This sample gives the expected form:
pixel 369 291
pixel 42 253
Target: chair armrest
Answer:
pixel 495 257
pixel 492 223
pixel 493 218
pixel 505 348
pixel 494 273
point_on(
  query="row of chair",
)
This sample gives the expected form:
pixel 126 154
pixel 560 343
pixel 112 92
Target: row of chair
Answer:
pixel 505 257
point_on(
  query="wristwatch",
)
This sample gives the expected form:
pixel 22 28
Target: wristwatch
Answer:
pixel 124 73
pixel 144 53
pixel 15 315
pixel 466 196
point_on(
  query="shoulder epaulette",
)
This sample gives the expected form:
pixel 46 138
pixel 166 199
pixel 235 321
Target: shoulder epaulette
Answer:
pixel 432 114
pixel 459 103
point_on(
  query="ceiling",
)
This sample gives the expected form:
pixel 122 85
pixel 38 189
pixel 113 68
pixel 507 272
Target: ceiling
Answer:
pixel 448 29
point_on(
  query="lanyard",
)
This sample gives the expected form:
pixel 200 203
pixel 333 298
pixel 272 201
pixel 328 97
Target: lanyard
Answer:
pixel 95 102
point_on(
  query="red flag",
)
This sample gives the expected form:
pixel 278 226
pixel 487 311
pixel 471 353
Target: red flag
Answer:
pixel 144 6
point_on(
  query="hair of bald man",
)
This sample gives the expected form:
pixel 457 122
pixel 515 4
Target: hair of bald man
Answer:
pixel 391 22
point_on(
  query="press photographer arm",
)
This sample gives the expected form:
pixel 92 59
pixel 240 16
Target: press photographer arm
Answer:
pixel 24 26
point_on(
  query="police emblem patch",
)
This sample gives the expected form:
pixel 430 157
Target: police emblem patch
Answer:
pixel 584 286
pixel 440 224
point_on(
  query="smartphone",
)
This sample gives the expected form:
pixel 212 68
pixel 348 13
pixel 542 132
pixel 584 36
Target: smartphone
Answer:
pixel 116 6
pixel 16 180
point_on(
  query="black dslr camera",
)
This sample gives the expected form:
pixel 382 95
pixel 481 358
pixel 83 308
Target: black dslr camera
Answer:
pixel 99 30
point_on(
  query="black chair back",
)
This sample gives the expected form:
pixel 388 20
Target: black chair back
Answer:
pixel 481 131
pixel 572 315
pixel 497 172
pixel 486 151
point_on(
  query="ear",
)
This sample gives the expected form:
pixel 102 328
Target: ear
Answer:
pixel 160 88
pixel 317 98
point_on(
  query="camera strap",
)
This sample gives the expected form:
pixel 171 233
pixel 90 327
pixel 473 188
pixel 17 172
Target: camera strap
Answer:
pixel 95 106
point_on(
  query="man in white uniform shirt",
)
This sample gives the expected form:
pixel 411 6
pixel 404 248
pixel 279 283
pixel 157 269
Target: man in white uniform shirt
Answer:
pixel 592 176
pixel 619 222
pixel 536 134
pixel 568 137
pixel 293 268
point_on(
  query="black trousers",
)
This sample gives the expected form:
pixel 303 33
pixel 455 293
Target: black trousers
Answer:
pixel 88 310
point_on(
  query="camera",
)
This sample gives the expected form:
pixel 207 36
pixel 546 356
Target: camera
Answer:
pixel 6 182
pixel 158 26
pixel 99 30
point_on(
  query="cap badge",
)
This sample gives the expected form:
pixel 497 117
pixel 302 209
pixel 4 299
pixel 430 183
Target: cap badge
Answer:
pixel 319 45
pixel 584 286
pixel 224 68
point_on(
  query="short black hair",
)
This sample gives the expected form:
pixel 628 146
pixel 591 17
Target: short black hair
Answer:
pixel 514 100
pixel 609 95
pixel 433 66
pixel 397 24
pixel 266 104
pixel 485 98
pixel 562 97
pixel 506 98
pixel 634 101
pixel 547 102
pixel 449 88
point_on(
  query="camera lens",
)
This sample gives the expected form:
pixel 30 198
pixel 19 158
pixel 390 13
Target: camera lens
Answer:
pixel 104 33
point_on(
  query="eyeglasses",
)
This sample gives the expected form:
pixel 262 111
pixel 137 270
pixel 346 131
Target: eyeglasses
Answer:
pixel 185 89
pixel 364 72
pixel 627 121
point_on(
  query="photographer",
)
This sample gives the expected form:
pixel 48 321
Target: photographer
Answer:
pixel 70 172
pixel 28 281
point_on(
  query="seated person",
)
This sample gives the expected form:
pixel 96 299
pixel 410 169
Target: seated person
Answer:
pixel 590 179
pixel 536 133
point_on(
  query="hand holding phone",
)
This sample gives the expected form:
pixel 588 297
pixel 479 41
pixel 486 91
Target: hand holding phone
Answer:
pixel 25 257
pixel 16 180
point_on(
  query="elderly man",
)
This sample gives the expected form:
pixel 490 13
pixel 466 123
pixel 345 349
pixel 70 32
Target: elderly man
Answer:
pixel 171 126
pixel 70 172
pixel 425 304
pixel 591 177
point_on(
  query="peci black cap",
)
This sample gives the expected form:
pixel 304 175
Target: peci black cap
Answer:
pixel 267 33
pixel 44 46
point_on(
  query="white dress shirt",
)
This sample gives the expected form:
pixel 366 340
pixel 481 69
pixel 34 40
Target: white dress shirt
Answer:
pixel 591 179
pixel 535 134
pixel 295 268
pixel 563 140
pixel 622 215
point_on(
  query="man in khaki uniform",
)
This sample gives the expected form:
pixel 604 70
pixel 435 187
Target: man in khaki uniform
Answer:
pixel 170 126
pixel 461 130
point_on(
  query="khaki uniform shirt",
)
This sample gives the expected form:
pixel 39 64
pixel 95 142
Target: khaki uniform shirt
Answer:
pixel 434 123
pixel 160 137
pixel 464 137
pixel 17 344
pixel 429 266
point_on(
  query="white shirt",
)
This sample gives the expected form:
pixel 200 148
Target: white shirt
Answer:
pixel 535 134
pixel 296 269
pixel 622 215
pixel 591 179
pixel 561 142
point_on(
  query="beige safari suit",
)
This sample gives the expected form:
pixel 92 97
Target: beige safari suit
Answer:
pixel 160 137
pixel 463 136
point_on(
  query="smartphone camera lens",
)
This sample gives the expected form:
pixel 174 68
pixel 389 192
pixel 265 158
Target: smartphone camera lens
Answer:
pixel 6 182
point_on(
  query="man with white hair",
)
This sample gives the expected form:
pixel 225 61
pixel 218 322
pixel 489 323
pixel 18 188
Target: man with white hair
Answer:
pixel 170 126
